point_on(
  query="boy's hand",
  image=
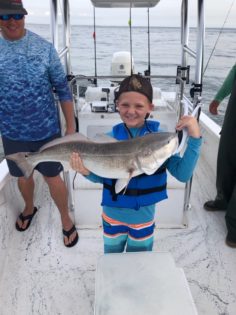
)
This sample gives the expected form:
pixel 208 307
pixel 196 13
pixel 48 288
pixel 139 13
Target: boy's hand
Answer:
pixel 77 164
pixel 191 124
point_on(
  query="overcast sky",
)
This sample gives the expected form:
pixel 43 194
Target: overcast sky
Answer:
pixel 166 13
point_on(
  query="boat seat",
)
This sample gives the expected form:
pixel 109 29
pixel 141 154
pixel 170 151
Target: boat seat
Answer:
pixel 94 93
pixel 158 99
pixel 159 102
pixel 88 196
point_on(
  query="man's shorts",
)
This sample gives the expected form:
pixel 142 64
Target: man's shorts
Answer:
pixel 49 169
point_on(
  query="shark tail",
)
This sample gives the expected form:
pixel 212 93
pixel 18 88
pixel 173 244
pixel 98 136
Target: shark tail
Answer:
pixel 22 162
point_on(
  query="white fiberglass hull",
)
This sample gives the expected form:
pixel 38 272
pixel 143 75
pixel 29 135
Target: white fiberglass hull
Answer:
pixel 39 275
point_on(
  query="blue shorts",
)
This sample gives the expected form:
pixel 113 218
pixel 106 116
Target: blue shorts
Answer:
pixel 49 169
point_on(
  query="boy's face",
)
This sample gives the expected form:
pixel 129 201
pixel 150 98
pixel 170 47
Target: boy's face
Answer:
pixel 133 108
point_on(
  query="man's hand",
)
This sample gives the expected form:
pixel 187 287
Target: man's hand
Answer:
pixel 213 107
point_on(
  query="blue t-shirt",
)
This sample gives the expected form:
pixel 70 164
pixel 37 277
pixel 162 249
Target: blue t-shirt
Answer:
pixel 29 70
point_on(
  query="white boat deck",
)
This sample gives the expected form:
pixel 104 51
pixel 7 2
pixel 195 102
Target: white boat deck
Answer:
pixel 39 275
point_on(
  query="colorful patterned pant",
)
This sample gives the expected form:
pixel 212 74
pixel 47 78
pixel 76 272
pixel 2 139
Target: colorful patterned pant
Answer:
pixel 119 236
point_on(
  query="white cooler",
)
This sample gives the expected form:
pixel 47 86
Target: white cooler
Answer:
pixel 141 283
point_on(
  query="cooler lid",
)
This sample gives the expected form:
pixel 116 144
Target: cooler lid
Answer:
pixel 141 283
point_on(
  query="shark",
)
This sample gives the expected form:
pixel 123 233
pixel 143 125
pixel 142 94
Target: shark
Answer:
pixel 108 158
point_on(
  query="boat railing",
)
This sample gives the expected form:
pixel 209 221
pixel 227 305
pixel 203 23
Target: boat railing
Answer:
pixel 183 74
pixel 65 15
pixel 64 53
pixel 114 77
pixel 196 89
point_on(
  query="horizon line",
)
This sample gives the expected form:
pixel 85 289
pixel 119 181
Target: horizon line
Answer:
pixel 134 26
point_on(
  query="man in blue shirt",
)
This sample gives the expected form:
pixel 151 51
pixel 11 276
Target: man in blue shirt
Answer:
pixel 29 70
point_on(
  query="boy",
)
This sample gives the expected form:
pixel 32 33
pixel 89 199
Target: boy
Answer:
pixel 128 224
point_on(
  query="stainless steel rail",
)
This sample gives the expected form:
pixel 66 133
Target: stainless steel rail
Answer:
pixel 64 53
pixel 198 55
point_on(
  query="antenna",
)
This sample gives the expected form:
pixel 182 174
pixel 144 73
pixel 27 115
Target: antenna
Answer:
pixel 95 46
pixel 130 34
pixel 226 18
pixel 149 59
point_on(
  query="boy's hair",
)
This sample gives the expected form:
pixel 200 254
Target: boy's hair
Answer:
pixel 135 83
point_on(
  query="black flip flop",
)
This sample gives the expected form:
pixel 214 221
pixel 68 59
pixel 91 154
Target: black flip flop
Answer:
pixel 68 234
pixel 23 218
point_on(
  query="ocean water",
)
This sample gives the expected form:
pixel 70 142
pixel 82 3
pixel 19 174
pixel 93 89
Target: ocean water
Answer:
pixel 165 54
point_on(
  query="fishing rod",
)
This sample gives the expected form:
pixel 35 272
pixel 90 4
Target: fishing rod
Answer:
pixel 226 18
pixel 95 46
pixel 148 72
pixel 130 37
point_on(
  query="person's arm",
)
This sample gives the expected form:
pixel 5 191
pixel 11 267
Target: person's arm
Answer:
pixel 59 82
pixel 224 91
pixel 68 112
pixel 78 166
pixel 182 167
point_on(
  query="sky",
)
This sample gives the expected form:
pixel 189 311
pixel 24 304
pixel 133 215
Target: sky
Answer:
pixel 166 13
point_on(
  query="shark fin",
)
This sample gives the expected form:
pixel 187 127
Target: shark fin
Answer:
pixel 152 170
pixel 122 183
pixel 68 138
pixel 149 171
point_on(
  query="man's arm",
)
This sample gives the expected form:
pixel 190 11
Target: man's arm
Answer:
pixel 59 82
pixel 226 87
pixel 224 91
pixel 68 112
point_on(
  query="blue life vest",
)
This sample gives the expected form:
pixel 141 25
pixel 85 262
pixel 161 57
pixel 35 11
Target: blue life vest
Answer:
pixel 142 190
